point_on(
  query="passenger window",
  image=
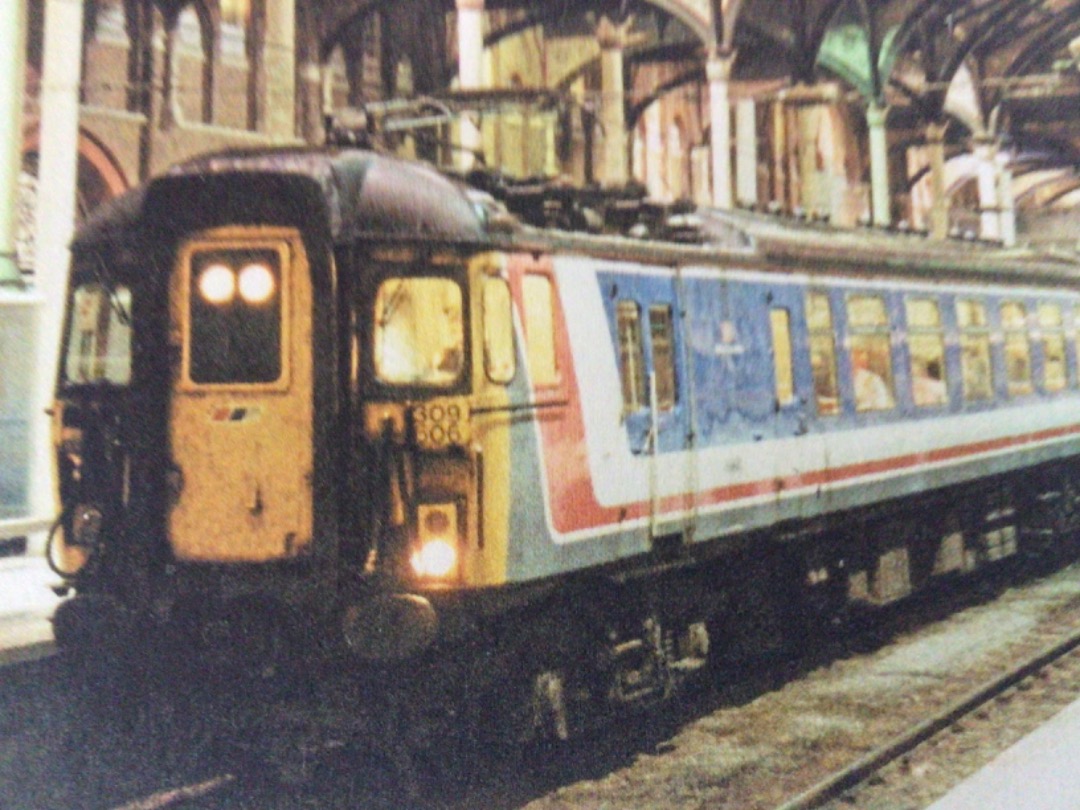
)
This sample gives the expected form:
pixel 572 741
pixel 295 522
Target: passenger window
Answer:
pixel 871 357
pixel 926 345
pixel 780 325
pixel 1017 348
pixel 631 356
pixel 661 330
pixel 539 303
pixel 822 353
pixel 975 367
pixel 1055 370
pixel 499 361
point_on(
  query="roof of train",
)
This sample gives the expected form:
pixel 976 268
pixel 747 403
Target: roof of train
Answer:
pixel 365 193
pixel 770 242
pixel 361 192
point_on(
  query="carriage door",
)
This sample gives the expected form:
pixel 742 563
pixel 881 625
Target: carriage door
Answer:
pixel 790 386
pixel 240 427
pixel 658 408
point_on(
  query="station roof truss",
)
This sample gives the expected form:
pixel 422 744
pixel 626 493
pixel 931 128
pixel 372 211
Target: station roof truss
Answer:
pixel 1001 70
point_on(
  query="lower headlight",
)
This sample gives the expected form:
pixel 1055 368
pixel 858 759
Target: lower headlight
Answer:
pixel 436 551
pixel 435 558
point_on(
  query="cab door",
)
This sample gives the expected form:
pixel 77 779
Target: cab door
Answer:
pixel 240 426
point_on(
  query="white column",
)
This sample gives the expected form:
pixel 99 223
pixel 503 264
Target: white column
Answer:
pixel 718 73
pixel 279 69
pixel 13 54
pixel 310 102
pixel 54 224
pixel 613 165
pixel 986 169
pixel 470 32
pixel 17 309
pixel 879 165
pixel 1007 202
pixel 654 152
pixel 939 201
pixel 807 118
pixel 746 153
pixel 779 141
pixel 699 158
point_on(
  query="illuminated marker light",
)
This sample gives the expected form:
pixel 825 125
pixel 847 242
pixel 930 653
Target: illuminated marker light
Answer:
pixel 256 283
pixel 217 284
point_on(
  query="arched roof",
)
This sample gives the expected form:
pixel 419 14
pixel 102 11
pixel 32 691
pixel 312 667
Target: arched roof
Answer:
pixel 1006 69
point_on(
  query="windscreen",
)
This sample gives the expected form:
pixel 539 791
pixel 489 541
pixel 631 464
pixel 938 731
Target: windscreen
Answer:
pixel 236 317
pixel 418 334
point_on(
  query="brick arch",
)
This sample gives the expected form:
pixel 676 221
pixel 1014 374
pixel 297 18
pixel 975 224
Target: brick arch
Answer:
pixel 100 176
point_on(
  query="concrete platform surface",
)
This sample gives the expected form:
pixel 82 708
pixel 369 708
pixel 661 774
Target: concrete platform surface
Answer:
pixel 1041 772
pixel 27 603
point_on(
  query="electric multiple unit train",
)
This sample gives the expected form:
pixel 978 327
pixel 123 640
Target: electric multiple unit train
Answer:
pixel 322 412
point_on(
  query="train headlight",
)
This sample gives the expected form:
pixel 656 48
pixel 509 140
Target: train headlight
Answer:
pixel 217 284
pixel 86 521
pixel 256 283
pixel 436 553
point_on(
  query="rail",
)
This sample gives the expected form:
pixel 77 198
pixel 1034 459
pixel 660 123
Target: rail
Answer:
pixel 836 785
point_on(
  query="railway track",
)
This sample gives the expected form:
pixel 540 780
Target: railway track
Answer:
pixel 889 768
pixel 621 766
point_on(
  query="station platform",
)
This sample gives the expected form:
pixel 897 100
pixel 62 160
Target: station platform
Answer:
pixel 27 603
pixel 1041 772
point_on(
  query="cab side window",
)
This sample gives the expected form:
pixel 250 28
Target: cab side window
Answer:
pixel 539 304
pixel 499 360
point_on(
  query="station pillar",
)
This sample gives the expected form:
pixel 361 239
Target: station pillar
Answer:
pixel 985 152
pixel 614 171
pixel 54 224
pixel 13 56
pixel 718 72
pixel 470 35
pixel 278 82
pixel 1007 203
pixel 746 153
pixel 880 202
pixel 653 146
pixel 939 201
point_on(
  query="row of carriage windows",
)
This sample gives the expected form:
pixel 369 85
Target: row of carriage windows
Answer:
pixel 870 356
pixel 98 348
